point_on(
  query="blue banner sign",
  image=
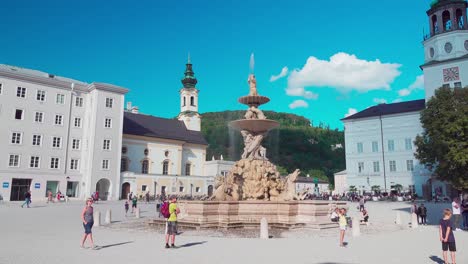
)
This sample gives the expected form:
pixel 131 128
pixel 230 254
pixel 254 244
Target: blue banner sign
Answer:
pixel 6 185
pixel 37 185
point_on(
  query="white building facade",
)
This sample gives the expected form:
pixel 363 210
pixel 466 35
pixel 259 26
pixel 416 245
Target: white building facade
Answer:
pixel 58 134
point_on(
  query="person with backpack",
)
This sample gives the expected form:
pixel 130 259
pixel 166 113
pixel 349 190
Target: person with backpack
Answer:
pixel 134 203
pixel 422 210
pixel 171 210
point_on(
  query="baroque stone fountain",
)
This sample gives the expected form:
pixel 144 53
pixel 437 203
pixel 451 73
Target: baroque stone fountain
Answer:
pixel 254 189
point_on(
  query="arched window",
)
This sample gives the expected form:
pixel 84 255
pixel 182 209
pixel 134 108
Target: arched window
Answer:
pixel 435 26
pixel 185 99
pixel 165 170
pixel 187 169
pixel 144 166
pixel 123 164
pixel 446 21
pixel 192 101
pixel 459 19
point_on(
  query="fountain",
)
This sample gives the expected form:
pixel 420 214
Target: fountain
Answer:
pixel 253 188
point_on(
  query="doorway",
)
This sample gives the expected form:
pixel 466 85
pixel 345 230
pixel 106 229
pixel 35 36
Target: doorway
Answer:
pixel 52 186
pixel 125 191
pixel 19 187
pixel 103 187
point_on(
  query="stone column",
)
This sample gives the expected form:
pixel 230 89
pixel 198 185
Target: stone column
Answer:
pixel 137 213
pixel 108 219
pixel 97 218
pixel 398 218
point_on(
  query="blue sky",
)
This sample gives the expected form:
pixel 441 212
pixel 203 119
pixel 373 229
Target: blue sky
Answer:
pixel 143 46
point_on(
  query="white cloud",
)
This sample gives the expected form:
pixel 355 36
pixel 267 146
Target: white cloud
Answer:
pixel 345 72
pixel 283 73
pixel 380 101
pixel 398 100
pixel 417 84
pixel 301 92
pixel 298 103
pixel 351 111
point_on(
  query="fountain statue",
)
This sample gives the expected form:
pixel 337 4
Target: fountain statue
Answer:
pixel 254 177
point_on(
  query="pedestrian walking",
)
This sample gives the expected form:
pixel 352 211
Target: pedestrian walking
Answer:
pixel 172 222
pixel 343 225
pixel 464 208
pixel 88 221
pixel 422 210
pixel 27 199
pixel 126 207
pixel 362 201
pixel 134 203
pixel 447 237
pixel 456 210
pixel 147 196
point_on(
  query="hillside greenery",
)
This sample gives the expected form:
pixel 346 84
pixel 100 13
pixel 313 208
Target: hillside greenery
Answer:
pixel 296 144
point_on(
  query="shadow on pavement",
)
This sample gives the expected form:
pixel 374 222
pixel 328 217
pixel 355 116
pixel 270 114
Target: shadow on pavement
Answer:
pixel 437 259
pixel 113 245
pixel 192 244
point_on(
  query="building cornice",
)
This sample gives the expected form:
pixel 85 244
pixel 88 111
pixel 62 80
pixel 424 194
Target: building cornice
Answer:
pixel 107 87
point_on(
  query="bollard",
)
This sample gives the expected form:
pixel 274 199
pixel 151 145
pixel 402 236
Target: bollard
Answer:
pixel 356 227
pixel 66 199
pixel 398 218
pixel 108 216
pixel 97 218
pixel 137 213
pixel 264 229
pixel 414 221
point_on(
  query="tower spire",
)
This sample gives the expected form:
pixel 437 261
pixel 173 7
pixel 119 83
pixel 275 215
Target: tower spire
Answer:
pixel 189 80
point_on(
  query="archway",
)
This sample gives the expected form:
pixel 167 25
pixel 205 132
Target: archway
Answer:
pixel 210 190
pixel 446 21
pixel 103 187
pixel 125 190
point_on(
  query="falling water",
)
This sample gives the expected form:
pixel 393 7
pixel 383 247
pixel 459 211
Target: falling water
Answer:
pixel 252 63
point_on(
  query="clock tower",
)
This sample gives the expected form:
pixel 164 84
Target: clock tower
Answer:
pixel 446 46
pixel 189 100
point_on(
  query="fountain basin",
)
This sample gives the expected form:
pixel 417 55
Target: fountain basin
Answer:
pixel 254 100
pixel 254 125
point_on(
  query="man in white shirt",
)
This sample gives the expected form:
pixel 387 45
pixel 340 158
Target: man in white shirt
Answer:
pixel 456 213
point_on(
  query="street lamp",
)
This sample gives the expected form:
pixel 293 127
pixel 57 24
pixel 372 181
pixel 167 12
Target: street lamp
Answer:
pixel 191 189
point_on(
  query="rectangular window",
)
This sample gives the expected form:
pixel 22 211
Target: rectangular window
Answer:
pixel 446 85
pixel 60 99
pixel 77 122
pixel 106 144
pixel 392 166
pixel 19 114
pixel 109 102
pixel 391 145
pixel 14 160
pixel 56 142
pixel 409 165
pixel 73 164
pixel 360 167
pixel 375 146
pixel 181 189
pixel 408 144
pixel 458 85
pixel 54 163
pixel 105 164
pixel 40 96
pixel 39 117
pixel 359 148
pixel 59 120
pixel 16 138
pixel 108 123
pixel 79 101
pixel 37 140
pixel 376 166
pixel 21 92
pixel 34 162
pixel 197 189
pixel 75 144
pixel 143 188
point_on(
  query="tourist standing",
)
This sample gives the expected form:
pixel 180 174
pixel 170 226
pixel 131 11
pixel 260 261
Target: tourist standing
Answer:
pixel 172 222
pixel 414 210
pixel 49 197
pixel 422 210
pixel 343 224
pixel 88 221
pixel 126 207
pixel 446 236
pixel 59 194
pixel 464 208
pixel 362 201
pixel 27 199
pixel 147 196
pixel 456 209
pixel 134 203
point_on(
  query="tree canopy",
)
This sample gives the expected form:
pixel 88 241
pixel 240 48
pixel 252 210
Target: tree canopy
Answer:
pixel 443 146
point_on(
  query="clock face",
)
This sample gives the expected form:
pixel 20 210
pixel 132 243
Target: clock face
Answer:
pixel 466 44
pixel 451 74
pixel 431 52
pixel 448 47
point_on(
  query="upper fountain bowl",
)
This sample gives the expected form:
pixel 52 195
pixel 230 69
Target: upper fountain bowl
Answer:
pixel 254 125
pixel 254 100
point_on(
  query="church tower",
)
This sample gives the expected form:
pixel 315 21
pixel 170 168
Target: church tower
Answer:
pixel 446 46
pixel 189 100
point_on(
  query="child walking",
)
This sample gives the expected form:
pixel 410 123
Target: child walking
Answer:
pixel 343 223
pixel 126 207
pixel 446 236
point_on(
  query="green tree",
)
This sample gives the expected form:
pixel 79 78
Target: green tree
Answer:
pixel 314 173
pixel 375 188
pixel 443 146
pixel 352 189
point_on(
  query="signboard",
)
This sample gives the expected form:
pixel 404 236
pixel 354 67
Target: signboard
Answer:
pixel 37 185
pixel 6 185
